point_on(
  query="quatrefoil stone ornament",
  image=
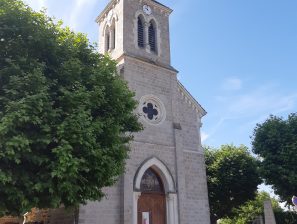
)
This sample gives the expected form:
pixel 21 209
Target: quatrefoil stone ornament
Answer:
pixel 152 109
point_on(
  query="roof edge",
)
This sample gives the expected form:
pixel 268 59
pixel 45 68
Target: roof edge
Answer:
pixel 147 61
pixel 199 109
pixel 107 8
pixel 158 4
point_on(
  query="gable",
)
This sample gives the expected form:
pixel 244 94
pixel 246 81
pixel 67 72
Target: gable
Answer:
pixel 191 100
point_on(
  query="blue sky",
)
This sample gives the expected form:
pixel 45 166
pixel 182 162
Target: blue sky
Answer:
pixel 238 58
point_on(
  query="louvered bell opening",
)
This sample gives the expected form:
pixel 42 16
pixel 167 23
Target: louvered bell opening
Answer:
pixel 152 37
pixel 140 34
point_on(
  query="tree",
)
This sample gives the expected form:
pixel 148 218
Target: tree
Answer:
pixel 275 141
pixel 285 217
pixel 249 211
pixel 252 209
pixel 65 116
pixel 232 177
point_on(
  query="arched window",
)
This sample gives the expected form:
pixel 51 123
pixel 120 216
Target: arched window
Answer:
pixel 113 36
pixel 152 36
pixel 151 182
pixel 107 39
pixel 140 29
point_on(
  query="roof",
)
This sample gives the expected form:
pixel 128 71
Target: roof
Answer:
pixel 106 9
pixel 199 109
pixel 161 4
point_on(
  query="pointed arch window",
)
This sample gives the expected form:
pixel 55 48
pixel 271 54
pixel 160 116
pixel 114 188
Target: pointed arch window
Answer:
pixel 140 30
pixel 152 36
pixel 112 35
pixel 151 182
pixel 107 39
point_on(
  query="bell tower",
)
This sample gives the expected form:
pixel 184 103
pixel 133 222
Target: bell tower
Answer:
pixel 137 28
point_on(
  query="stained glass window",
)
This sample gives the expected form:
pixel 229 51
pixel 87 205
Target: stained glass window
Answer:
pixel 151 182
pixel 152 110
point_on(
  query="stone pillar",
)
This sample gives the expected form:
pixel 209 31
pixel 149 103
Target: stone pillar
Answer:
pixel 135 206
pixel 172 210
pixel 145 37
pixel 268 212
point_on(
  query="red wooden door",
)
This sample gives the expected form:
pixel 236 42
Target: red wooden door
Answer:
pixel 152 205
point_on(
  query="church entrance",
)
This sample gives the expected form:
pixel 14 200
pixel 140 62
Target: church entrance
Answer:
pixel 152 202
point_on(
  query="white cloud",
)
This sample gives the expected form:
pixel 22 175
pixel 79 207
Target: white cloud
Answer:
pixel 232 84
pixel 204 136
pixel 247 109
pixel 213 130
pixel 36 4
pixel 260 101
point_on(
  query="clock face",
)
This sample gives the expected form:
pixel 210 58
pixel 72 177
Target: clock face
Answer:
pixel 147 10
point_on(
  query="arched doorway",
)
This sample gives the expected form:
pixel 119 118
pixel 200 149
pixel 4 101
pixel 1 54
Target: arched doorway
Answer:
pixel 152 201
pixel 167 193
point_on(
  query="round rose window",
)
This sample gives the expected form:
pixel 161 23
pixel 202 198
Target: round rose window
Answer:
pixel 152 109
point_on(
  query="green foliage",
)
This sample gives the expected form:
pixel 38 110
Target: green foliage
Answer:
pixel 285 217
pixel 252 209
pixel 275 141
pixel 232 177
pixel 65 116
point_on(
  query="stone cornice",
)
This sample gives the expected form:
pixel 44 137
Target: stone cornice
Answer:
pixel 109 6
pixel 191 100
pixel 147 61
pixel 158 5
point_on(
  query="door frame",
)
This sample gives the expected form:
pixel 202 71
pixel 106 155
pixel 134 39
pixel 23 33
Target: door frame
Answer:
pixel 169 188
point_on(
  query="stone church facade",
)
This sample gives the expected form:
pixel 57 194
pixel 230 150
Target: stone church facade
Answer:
pixel 165 179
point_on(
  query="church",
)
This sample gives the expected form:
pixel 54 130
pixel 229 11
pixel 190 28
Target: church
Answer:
pixel 165 177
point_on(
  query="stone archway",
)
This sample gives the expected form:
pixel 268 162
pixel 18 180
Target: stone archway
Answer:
pixel 169 189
